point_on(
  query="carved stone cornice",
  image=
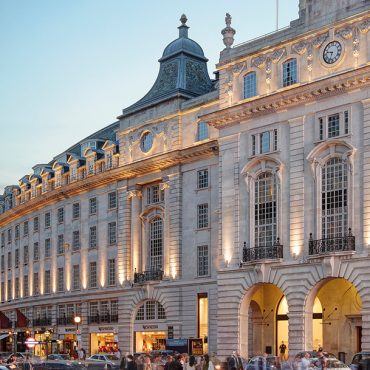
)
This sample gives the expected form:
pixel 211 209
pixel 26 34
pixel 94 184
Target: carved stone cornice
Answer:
pixel 330 86
pixel 149 165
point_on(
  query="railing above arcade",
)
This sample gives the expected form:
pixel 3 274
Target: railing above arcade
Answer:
pixel 270 252
pixel 66 320
pixel 329 245
pixel 45 321
pixel 145 276
pixel 99 319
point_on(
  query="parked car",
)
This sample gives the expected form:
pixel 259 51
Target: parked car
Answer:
pixel 59 357
pixel 358 359
pixel 111 360
pixel 58 365
pixel 263 363
pixel 333 363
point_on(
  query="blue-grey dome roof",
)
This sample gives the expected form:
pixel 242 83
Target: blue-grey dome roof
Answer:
pixel 181 45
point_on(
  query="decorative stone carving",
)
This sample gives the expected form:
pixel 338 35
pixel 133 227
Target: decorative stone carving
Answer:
pixel 196 77
pixel 364 27
pixel 276 55
pixel 259 61
pixel 238 68
pixel 319 39
pixel 356 42
pixel 134 193
pixel 300 47
pixel 228 32
pixel 344 32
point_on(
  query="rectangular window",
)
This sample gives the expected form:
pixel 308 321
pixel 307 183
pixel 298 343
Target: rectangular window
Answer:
pixel 2 292
pixel 9 260
pixel 111 272
pixel 16 258
pixel 76 240
pixel 76 277
pixel 346 122
pixel 202 315
pixel 92 238
pixel 2 240
pixel 2 263
pixel 47 248
pixel 25 286
pixel 254 151
pixel 290 72
pixel 25 228
pixel 202 179
pixel 35 224
pixel 60 213
pixel 92 206
pixel 321 128
pixel 112 233
pixel 202 216
pixel 36 290
pixel 93 275
pixel 36 254
pixel 9 290
pixel 250 85
pixel 60 246
pixel 265 142
pixel 16 232
pixel 16 287
pixel 76 210
pixel 203 260
pixel 25 255
pixel 47 282
pixel 112 200
pixel 47 220
pixel 60 285
pixel 275 139
pixel 9 236
pixel 154 194
pixel 333 125
pixel 202 133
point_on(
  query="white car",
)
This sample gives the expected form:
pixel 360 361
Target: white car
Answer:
pixel 109 359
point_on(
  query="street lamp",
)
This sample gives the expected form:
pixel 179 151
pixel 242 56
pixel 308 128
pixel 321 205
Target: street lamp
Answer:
pixel 77 320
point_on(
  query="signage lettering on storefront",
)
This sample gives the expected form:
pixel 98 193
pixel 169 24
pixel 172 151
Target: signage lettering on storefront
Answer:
pixel 105 328
pixel 170 332
pixel 150 326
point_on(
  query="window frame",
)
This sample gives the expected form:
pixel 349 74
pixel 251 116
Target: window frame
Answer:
pixel 203 216
pixel 292 74
pixel 254 89
pixel 203 260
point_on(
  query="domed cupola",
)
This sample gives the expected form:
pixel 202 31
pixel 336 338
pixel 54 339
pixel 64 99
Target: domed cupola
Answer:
pixel 182 73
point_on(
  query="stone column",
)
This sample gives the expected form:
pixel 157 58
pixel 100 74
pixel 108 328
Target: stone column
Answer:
pixel 365 338
pixel 366 173
pixel 165 186
pixel 135 195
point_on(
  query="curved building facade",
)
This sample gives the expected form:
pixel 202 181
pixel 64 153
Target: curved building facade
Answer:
pixel 234 210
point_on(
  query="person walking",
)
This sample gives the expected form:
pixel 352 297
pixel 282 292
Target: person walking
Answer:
pixel 191 364
pixel 282 350
pixel 232 361
pixel 147 363
pixel 131 365
pixel 207 364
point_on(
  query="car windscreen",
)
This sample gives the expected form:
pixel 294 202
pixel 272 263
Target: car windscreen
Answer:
pixel 112 357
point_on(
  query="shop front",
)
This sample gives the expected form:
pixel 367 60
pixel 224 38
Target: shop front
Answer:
pixel 150 337
pixel 67 340
pixel 46 345
pixel 103 339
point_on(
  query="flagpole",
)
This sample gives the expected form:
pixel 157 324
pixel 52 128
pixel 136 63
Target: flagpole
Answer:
pixel 277 14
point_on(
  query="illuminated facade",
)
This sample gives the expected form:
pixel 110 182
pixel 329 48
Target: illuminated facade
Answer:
pixel 234 210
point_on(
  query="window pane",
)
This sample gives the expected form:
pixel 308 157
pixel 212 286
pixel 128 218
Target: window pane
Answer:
pixel 202 131
pixel 250 85
pixel 333 125
pixel 290 72
pixel 156 244
pixel 265 142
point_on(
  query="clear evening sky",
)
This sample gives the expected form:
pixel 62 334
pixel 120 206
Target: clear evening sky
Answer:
pixel 68 67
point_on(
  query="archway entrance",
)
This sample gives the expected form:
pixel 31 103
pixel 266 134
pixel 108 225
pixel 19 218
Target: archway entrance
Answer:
pixel 336 318
pixel 259 329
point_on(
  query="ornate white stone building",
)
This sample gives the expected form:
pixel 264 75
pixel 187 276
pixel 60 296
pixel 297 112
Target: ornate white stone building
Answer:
pixel 235 210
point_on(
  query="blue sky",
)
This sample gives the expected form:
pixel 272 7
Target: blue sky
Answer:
pixel 68 67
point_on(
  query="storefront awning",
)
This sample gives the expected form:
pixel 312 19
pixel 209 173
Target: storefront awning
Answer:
pixel 2 336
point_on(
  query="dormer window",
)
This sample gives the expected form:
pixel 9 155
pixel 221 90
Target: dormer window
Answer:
pixel 73 173
pixel 90 167
pixel 290 72
pixel 58 179
pixel 109 160
pixel 88 144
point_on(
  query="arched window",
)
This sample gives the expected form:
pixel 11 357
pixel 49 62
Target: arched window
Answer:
pixel 150 310
pixel 265 210
pixel 156 244
pixel 334 197
pixel 202 131
pixel 250 85
pixel 290 72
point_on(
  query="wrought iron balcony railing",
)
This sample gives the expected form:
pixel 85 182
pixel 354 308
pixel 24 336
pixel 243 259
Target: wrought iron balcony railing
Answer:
pixel 106 318
pixel 263 252
pixel 150 275
pixel 66 320
pixel 45 321
pixel 330 245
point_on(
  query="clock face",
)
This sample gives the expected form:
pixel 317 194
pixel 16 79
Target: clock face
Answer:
pixel 332 52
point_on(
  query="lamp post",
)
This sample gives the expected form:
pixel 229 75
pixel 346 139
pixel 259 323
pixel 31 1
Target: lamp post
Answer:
pixel 77 320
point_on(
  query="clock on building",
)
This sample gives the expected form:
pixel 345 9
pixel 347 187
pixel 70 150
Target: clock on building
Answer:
pixel 332 52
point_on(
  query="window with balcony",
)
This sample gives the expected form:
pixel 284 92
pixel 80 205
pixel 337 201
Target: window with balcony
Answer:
pixel 156 244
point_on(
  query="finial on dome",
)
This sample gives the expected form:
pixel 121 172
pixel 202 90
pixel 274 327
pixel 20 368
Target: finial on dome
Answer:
pixel 183 29
pixel 183 19
pixel 228 32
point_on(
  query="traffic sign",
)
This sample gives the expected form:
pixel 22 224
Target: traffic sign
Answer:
pixel 31 342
